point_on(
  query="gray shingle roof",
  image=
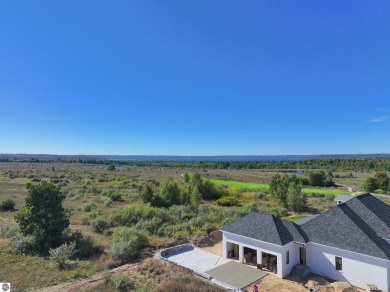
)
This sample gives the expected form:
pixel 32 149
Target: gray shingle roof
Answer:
pixel 306 219
pixel 358 225
pixel 266 228
pixel 342 228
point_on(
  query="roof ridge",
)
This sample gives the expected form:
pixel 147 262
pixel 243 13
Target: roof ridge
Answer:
pixel 367 230
pixel 379 208
pixel 301 232
pixel 284 235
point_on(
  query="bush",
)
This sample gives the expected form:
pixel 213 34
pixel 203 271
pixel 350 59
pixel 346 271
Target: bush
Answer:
pixel 106 201
pixel 133 214
pixel 115 196
pixel 127 243
pixel 100 224
pixel 276 211
pixel 228 201
pixel 23 244
pixel 84 244
pixel 208 227
pixel 9 231
pixel 89 206
pixel 122 283
pixel 62 254
pixel 85 219
pixel 248 208
pixel 7 205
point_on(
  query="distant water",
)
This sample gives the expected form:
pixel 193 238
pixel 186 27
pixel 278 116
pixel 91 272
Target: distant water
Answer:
pixel 299 173
pixel 210 158
pixel 223 158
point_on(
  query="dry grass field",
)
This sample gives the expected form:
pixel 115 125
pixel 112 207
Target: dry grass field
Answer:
pixel 86 187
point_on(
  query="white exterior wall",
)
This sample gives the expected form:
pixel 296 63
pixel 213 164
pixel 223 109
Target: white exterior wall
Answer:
pixel 358 269
pixel 283 269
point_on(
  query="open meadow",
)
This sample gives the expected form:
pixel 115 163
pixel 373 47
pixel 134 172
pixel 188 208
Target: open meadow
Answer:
pixel 101 200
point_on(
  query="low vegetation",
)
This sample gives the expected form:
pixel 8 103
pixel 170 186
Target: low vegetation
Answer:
pixel 380 183
pixel 107 214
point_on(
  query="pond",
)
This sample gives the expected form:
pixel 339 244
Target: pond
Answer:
pixel 300 173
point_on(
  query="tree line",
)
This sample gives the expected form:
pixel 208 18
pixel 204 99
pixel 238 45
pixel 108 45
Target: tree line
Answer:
pixel 170 193
pixel 331 164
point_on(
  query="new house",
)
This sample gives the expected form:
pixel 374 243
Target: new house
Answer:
pixel 349 242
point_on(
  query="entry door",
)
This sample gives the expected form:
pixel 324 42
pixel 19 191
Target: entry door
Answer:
pixel 302 256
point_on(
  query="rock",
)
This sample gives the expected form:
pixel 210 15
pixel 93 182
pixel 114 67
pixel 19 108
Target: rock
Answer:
pixel 312 284
pixel 343 287
pixel 319 280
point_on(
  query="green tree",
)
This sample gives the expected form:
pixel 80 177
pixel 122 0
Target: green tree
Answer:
pixel 280 187
pixel 186 178
pixel 170 193
pixel 296 200
pixel 147 193
pixel 329 179
pixel 370 185
pixel 382 180
pixel 196 179
pixel 43 215
pixel 111 167
pixel 210 191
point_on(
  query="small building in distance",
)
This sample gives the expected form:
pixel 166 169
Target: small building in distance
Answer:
pixel 342 199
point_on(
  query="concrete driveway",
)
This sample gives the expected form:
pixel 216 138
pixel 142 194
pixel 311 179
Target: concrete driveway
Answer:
pixel 197 259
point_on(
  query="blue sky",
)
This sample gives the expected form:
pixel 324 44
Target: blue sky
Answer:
pixel 195 77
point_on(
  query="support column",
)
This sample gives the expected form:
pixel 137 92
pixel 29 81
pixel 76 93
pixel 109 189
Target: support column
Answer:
pixel 241 253
pixel 224 248
pixel 259 257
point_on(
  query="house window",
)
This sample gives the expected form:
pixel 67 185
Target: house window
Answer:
pixel 339 263
pixel 287 257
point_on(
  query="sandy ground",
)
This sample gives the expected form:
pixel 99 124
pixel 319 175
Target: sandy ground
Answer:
pixel 216 249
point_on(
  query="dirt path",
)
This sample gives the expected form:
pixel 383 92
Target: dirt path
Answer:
pixel 345 186
pixel 85 284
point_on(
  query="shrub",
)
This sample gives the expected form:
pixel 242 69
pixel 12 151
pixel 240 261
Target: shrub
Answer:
pixel 228 201
pixel 208 227
pixel 111 167
pixel 62 254
pixel 100 224
pixel 85 219
pixel 126 243
pixel 89 206
pixel 249 207
pixel 122 283
pixel 9 231
pixel 84 244
pixel 23 244
pixel 133 214
pixel 7 205
pixel 276 211
pixel 113 195
pixel 106 201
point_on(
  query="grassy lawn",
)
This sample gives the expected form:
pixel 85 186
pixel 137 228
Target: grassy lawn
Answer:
pixel 28 272
pixel 325 191
pixel 257 186
pixel 239 184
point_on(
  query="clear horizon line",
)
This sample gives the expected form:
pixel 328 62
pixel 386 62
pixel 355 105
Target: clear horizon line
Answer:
pixel 197 155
